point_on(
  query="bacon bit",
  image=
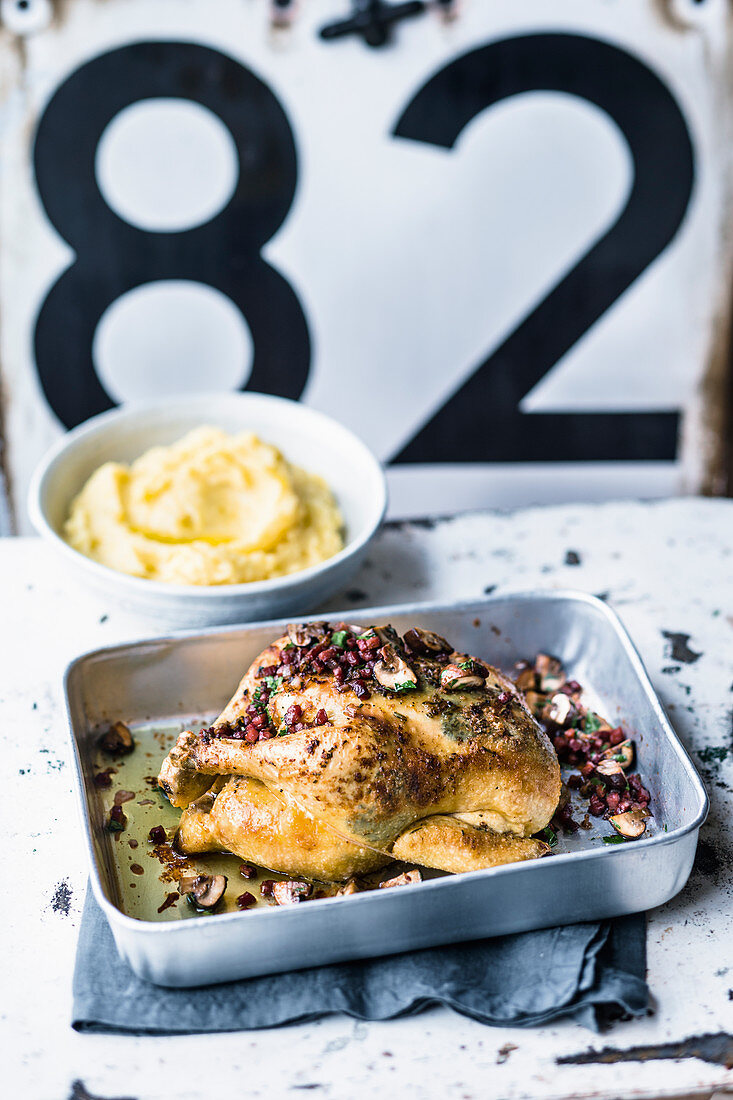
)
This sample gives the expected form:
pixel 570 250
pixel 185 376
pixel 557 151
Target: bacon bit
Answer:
pixel 104 779
pixel 157 835
pixel 246 870
pixel 246 900
pixel 117 819
pixel 291 892
pixel 321 717
pixel 123 796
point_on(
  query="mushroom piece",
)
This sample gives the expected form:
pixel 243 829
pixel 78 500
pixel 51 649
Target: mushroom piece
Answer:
pixel 612 773
pixel 622 754
pixel 455 678
pixel 117 741
pixel 535 702
pixel 291 892
pixel 203 891
pixel 559 710
pixel 424 641
pixel 550 672
pixel 526 678
pixel 302 634
pixel 630 825
pixel 407 878
pixel 392 672
pixel 350 887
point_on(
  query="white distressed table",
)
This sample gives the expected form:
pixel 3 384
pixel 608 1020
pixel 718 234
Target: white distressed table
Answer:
pixel 667 568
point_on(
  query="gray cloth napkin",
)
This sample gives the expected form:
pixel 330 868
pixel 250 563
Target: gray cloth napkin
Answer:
pixel 592 972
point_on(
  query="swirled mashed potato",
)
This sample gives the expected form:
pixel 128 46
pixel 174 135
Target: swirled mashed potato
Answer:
pixel 210 509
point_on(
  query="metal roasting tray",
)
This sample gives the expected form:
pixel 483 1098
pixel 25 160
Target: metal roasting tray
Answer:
pixel 170 680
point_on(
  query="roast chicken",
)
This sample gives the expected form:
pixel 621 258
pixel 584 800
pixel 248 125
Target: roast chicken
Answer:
pixel 345 748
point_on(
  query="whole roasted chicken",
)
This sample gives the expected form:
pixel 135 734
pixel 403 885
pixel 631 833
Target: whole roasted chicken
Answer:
pixel 345 748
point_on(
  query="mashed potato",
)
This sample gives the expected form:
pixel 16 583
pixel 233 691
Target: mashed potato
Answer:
pixel 210 509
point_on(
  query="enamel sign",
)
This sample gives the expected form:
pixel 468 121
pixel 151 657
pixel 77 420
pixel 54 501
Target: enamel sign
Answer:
pixel 490 245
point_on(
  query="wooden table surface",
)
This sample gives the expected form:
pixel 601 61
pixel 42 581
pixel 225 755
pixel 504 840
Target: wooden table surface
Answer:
pixel 667 568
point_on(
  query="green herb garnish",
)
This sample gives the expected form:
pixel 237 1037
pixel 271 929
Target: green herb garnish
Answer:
pixel 408 685
pixel 339 638
pixel 614 839
pixel 592 723
pixel 273 682
pixel 467 665
pixel 550 836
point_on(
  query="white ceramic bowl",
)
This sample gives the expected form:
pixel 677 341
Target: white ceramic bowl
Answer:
pixel 307 438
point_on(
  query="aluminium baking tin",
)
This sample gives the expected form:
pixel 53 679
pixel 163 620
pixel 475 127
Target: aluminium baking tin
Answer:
pixel 182 675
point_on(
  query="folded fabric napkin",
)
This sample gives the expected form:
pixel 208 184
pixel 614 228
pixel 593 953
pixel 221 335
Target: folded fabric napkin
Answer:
pixel 592 972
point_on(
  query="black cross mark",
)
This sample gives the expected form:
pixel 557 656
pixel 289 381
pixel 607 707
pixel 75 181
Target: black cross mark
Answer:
pixel 373 20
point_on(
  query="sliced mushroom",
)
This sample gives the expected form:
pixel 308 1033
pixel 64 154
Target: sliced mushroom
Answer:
pixel 407 878
pixel 291 892
pixel 455 678
pixel 302 634
pixel 392 672
pixel 350 887
pixel 630 825
pixel 612 774
pixel 526 679
pixel 550 672
pixel 559 710
pixel 609 768
pixel 117 741
pixel 424 641
pixel 203 891
pixel 622 754
pixel 535 702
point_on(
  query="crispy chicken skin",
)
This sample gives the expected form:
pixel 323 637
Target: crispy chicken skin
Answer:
pixel 343 749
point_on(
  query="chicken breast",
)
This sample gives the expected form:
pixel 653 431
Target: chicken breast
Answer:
pixel 346 748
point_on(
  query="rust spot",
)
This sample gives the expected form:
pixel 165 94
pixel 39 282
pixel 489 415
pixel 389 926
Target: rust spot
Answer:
pixel 714 1048
pixel 679 650
pixel 79 1092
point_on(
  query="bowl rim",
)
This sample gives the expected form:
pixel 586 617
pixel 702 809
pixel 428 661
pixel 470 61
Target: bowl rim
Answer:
pixel 96 425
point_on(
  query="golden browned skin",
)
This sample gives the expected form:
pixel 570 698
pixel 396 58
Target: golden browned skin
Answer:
pixel 381 778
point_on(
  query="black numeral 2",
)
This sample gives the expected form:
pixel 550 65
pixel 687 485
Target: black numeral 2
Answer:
pixel 112 256
pixel 482 421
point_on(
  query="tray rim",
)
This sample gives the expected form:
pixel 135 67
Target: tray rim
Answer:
pixel 138 926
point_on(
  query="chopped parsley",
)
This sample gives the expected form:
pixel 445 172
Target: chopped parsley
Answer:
pixel 550 836
pixel 408 685
pixel 273 682
pixel 614 839
pixel 338 638
pixel 592 723
pixel 466 665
